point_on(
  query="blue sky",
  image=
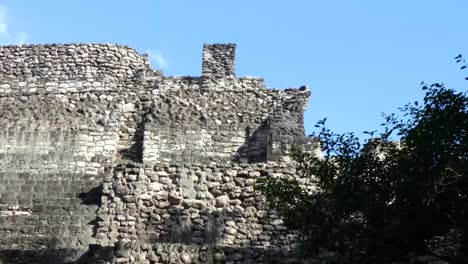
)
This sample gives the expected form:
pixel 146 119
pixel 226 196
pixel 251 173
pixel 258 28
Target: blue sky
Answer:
pixel 359 58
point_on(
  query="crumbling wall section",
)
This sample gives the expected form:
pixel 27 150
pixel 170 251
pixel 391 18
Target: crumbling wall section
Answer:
pixel 204 205
pixel 97 150
pixel 62 108
pixel 196 125
pixel 237 122
pixel 54 150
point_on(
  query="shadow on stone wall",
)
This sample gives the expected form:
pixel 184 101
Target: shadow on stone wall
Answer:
pixel 159 252
pixel 255 148
pixel 135 151
pixel 93 255
pixel 92 197
pixel 211 233
pixel 272 139
pixel 182 253
pixel 53 226
pixel 179 228
pixel 156 252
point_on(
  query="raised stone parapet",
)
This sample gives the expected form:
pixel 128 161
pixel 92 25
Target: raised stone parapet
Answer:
pixel 219 61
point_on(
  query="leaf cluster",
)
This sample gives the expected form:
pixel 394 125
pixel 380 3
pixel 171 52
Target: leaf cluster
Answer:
pixel 381 199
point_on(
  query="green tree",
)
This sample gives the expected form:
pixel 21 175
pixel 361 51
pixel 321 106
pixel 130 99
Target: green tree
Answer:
pixel 378 201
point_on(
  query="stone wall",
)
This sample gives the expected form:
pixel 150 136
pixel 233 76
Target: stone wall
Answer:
pixel 102 158
pixel 198 125
pixel 69 61
pixel 199 205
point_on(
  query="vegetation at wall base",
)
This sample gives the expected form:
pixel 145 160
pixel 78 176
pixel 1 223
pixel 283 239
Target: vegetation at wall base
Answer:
pixel 380 200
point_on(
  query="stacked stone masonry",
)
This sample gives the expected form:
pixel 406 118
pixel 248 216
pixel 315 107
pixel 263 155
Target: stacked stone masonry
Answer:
pixel 105 160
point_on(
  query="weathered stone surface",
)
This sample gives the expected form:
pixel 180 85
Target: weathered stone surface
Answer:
pixel 104 160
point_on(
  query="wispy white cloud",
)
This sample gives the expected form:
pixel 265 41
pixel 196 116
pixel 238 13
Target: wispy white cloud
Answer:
pixel 3 28
pixel 22 38
pixel 157 58
pixel 6 36
pixel 3 23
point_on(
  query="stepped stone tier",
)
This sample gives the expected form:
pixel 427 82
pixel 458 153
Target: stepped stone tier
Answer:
pixel 105 160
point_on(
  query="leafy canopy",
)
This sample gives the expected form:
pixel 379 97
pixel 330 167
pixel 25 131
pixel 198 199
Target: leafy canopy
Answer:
pixel 378 200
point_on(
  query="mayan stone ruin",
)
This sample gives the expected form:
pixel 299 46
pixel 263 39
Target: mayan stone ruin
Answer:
pixel 105 160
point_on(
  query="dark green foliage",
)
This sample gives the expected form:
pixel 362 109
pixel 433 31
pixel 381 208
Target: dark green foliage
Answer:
pixel 380 200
